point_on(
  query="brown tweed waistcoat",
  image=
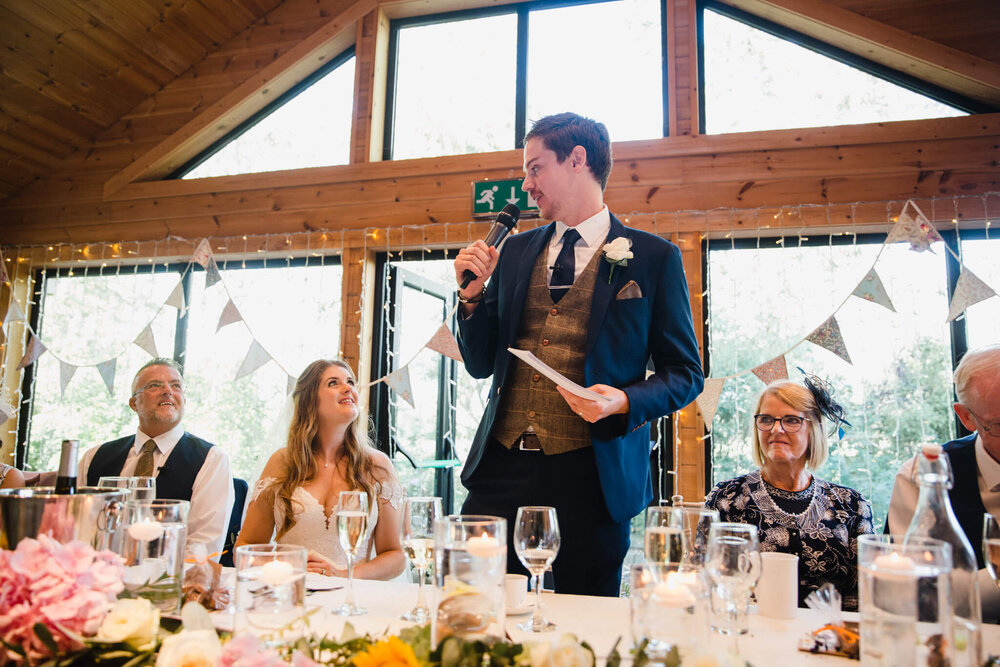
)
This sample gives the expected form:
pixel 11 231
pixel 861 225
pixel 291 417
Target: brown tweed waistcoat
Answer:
pixel 557 334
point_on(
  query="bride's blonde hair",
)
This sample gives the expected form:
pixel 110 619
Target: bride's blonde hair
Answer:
pixel 300 462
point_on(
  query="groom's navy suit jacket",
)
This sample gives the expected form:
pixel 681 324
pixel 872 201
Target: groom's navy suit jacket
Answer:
pixel 622 336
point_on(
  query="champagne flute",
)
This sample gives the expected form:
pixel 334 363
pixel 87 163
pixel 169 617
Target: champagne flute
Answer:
pixel 417 528
pixel 536 542
pixel 664 540
pixel 733 565
pixel 352 522
pixel 991 546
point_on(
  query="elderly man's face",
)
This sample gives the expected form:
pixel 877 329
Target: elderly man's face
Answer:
pixel 158 399
pixel 982 411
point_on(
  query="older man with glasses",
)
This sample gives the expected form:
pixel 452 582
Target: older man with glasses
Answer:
pixel 185 466
pixel 975 463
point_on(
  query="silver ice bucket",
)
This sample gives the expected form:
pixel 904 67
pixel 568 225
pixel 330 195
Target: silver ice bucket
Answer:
pixel 91 515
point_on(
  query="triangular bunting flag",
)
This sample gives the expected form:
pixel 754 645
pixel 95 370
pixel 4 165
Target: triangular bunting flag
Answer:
pixel 399 382
pixel 14 313
pixel 146 341
pixel 871 289
pixel 969 289
pixel 256 357
pixel 827 335
pixel 66 371
pixel 769 371
pixel 443 341
pixel 202 254
pixel 107 371
pixel 708 399
pixel 176 298
pixel 6 405
pixel 290 385
pixel 212 273
pixel 229 315
pixel 916 229
pixel 34 350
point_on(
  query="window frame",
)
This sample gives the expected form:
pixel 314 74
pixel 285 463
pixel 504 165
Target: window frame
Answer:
pixel 522 11
pixel 37 317
pixel 911 83
pixel 270 108
pixel 957 331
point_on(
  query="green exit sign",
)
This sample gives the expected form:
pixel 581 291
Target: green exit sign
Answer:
pixel 489 197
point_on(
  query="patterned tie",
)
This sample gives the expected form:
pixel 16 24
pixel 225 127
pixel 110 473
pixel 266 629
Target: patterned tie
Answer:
pixel 565 266
pixel 144 466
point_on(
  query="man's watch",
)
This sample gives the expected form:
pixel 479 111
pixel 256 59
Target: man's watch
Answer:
pixel 473 299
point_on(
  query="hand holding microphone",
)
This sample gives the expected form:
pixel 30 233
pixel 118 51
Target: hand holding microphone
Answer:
pixel 475 263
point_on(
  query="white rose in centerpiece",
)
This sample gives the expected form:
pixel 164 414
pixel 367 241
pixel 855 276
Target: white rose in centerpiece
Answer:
pixel 618 251
pixel 190 648
pixel 134 621
pixel 567 653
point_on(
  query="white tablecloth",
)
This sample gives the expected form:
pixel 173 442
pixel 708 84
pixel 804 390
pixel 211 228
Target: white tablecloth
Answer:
pixel 600 621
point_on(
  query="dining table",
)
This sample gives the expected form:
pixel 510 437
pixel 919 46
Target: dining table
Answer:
pixel 603 622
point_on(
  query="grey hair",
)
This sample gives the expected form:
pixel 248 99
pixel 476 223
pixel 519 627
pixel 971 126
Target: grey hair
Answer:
pixel 980 362
pixel 156 361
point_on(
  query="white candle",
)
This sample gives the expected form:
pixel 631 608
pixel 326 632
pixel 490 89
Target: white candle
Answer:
pixel 277 572
pixel 670 593
pixel 893 566
pixel 483 546
pixel 145 530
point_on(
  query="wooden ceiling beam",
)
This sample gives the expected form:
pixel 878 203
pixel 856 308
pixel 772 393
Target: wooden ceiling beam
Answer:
pixel 922 58
pixel 260 89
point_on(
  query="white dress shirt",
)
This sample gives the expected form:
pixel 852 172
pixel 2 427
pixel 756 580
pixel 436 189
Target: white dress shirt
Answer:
pixel 211 496
pixel 593 233
pixel 903 503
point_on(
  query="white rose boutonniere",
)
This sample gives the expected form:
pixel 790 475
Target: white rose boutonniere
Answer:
pixel 617 253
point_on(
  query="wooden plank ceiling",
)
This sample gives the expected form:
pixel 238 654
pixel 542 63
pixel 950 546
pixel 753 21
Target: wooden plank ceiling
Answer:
pixel 70 69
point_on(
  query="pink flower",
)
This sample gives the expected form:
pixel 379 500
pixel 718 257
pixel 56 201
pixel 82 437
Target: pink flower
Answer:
pixel 68 588
pixel 245 650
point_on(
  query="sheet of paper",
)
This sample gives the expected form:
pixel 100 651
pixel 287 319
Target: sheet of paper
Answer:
pixel 555 376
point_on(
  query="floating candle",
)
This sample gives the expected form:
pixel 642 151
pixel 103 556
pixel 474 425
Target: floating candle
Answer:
pixel 483 546
pixel 276 572
pixel 671 593
pixel 893 565
pixel 146 530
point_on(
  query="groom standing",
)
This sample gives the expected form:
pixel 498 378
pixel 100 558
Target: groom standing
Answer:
pixel 566 293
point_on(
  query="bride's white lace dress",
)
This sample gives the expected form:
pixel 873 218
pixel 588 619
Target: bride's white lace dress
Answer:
pixel 316 531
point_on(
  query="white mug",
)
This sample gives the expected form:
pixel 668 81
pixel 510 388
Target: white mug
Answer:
pixel 515 589
pixel 778 589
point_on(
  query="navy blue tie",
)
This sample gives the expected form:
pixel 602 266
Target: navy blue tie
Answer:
pixel 565 267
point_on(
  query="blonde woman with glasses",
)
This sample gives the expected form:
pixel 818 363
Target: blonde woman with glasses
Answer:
pixel 794 511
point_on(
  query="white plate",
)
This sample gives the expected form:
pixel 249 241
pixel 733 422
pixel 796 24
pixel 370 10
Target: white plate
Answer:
pixel 321 582
pixel 522 610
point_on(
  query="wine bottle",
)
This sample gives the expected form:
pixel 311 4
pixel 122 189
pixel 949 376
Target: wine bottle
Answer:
pixel 66 481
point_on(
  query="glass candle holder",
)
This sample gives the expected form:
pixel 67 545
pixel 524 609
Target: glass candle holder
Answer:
pixel 667 616
pixel 154 544
pixel 904 597
pixel 270 591
pixel 470 556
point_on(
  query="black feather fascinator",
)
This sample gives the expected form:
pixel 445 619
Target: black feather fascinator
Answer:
pixel 822 392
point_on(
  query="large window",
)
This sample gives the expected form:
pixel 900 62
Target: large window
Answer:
pixel 429 441
pixel 292 308
pixel 759 76
pixel 309 126
pixel 766 295
pixel 519 63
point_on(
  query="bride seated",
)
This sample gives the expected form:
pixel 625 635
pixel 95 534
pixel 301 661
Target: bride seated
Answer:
pixel 328 451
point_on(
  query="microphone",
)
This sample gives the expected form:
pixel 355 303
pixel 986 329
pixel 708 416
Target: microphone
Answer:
pixel 506 221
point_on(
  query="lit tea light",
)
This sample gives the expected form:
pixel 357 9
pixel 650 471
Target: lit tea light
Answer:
pixel 893 565
pixel 483 546
pixel 146 530
pixel 276 572
pixel 672 593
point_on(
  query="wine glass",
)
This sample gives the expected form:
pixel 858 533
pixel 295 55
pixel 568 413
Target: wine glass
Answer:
pixel 536 542
pixel 733 565
pixel 352 523
pixel 143 488
pixel 991 546
pixel 664 540
pixel 417 532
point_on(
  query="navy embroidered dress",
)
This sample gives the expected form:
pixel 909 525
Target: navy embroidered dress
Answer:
pixel 820 525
